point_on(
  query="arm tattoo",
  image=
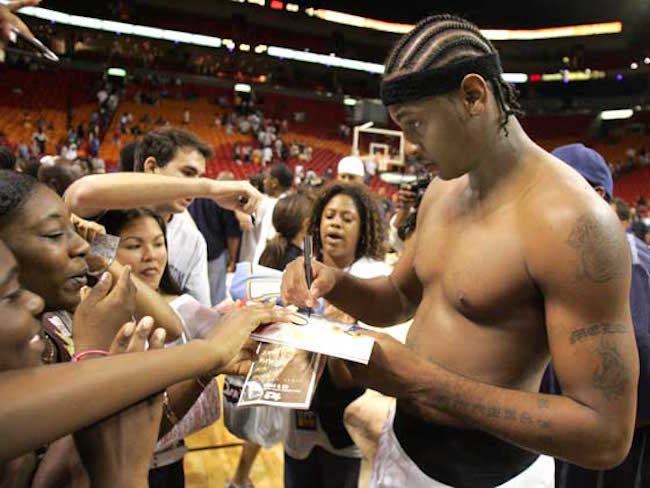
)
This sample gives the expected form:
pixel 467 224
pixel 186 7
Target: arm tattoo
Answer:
pixel 579 335
pixel 599 249
pixel 611 376
pixel 455 403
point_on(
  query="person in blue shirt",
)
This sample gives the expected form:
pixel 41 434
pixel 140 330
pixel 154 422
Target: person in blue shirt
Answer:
pixel 634 472
pixel 220 229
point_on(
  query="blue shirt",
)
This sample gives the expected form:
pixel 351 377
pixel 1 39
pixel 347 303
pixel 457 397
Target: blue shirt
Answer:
pixel 640 307
pixel 216 224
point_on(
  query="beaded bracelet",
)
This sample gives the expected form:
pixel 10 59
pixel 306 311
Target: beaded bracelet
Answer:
pixel 167 410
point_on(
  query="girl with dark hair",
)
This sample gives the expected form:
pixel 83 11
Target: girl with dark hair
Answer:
pixel 346 226
pixel 143 247
pixel 36 227
pixel 290 220
pixel 124 421
pixel 134 226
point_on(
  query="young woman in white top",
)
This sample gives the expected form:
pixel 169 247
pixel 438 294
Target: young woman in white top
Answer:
pixel 347 233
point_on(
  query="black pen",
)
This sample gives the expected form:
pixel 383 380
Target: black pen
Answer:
pixel 306 250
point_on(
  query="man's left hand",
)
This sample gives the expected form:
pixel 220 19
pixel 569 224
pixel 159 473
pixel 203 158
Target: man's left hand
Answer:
pixel 391 367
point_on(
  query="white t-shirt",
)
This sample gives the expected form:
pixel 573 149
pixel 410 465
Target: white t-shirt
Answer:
pixel 393 235
pixel 300 443
pixel 267 154
pixel 253 241
pixel 188 257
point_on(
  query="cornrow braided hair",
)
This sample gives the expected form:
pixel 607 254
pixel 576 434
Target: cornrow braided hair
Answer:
pixel 443 39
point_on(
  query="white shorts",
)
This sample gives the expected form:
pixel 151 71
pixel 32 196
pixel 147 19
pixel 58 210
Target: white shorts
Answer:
pixel 394 469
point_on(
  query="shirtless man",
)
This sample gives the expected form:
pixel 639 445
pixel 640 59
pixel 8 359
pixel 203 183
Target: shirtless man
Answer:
pixel 515 260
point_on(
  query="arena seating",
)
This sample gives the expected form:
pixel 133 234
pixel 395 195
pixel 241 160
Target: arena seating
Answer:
pixel 25 97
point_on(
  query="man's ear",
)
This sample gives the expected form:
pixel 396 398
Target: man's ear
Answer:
pixel 600 190
pixel 150 165
pixel 474 93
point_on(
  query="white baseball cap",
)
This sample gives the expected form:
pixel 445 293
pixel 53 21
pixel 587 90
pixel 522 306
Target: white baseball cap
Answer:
pixel 351 165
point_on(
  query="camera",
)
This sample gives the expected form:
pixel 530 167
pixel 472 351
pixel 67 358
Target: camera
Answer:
pixel 419 187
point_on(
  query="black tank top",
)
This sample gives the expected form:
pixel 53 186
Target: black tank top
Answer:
pixel 458 457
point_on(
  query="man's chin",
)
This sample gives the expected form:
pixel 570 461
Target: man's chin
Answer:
pixel 449 174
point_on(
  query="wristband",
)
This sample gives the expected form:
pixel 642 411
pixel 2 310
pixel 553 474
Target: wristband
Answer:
pixel 90 352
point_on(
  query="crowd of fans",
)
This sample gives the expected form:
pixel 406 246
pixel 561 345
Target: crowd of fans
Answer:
pixel 159 317
pixel 161 252
pixel 633 159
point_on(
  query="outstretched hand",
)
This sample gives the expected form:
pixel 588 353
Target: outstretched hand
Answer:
pixel 87 229
pixel 229 337
pixel 10 22
pixel 237 195
pixel 117 451
pixel 103 310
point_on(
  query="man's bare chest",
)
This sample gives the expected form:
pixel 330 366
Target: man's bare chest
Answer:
pixel 477 267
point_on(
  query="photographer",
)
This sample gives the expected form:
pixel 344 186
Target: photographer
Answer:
pixel 402 224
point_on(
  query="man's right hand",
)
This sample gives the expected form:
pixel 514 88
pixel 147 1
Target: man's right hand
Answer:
pixel 103 311
pixel 9 21
pixel 236 195
pixel 294 283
